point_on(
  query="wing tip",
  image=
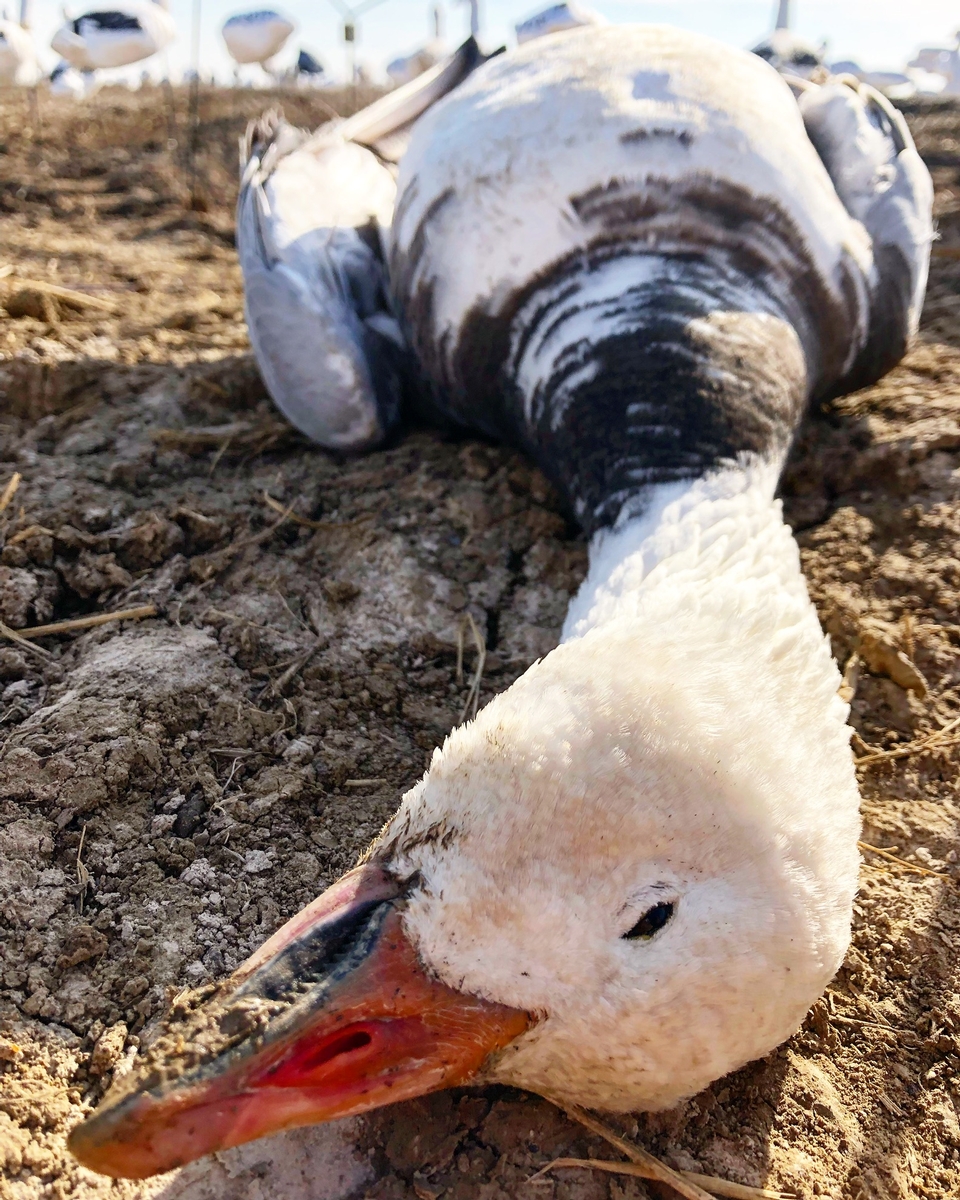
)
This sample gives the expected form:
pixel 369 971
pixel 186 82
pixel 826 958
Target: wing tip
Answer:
pixel 270 132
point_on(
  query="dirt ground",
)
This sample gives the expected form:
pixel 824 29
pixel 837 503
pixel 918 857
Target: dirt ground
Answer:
pixel 171 791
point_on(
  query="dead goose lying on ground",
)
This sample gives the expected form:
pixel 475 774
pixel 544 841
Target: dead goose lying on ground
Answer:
pixel 633 252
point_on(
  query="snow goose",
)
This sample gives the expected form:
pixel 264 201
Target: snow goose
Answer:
pixel 125 32
pixel 938 62
pixel 633 252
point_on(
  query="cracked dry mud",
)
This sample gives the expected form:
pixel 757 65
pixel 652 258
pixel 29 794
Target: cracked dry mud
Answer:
pixel 171 791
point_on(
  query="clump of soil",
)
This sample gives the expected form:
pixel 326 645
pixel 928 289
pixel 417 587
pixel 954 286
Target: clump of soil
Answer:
pixel 172 791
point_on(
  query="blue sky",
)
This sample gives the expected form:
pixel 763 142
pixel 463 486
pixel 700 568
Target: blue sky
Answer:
pixel 877 33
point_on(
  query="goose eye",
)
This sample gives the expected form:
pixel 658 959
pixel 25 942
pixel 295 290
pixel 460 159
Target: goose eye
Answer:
pixel 652 921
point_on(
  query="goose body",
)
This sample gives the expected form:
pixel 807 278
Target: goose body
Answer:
pixel 652 278
pixel 633 252
pixel 255 37
pixel 116 35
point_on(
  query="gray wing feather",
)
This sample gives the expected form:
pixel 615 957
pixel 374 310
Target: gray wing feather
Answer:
pixel 867 149
pixel 315 307
pixel 326 339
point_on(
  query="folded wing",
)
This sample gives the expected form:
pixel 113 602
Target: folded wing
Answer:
pixel 312 213
pixel 882 182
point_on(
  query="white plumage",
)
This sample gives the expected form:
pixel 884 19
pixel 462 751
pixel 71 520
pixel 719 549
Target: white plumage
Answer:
pixel 126 32
pixel 685 743
pixel 409 66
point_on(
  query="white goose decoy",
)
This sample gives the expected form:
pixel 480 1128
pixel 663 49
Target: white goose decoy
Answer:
pixel 785 51
pixel 940 61
pixel 18 57
pixel 633 252
pixel 556 19
pixel 256 37
pixel 894 84
pixel 126 32
pixel 406 68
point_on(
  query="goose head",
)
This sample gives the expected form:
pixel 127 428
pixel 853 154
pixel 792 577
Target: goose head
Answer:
pixel 630 874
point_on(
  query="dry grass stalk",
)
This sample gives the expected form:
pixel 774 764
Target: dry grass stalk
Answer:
pixel 363 783
pixel 641 1158
pixel 71 416
pixel 709 1183
pixel 69 296
pixel 71 626
pixel 473 693
pixel 280 684
pixel 16 636
pixel 83 875
pixel 208 437
pixel 842 1020
pixel 239 437
pixel 933 741
pixel 851 678
pixel 211 387
pixel 219 455
pixel 902 862
pixel 307 523
pixel 221 559
pixel 29 532
pixel 270 502
pixel 10 490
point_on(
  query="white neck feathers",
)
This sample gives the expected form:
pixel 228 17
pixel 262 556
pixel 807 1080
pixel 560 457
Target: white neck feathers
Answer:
pixel 725 525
